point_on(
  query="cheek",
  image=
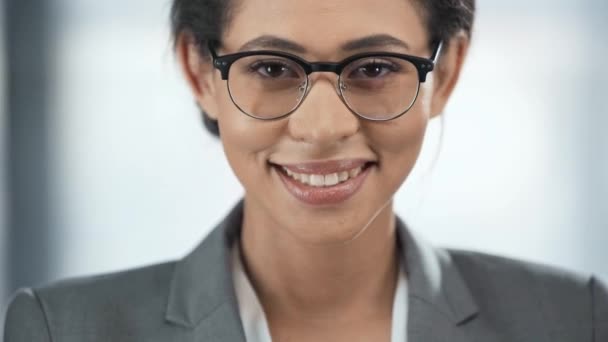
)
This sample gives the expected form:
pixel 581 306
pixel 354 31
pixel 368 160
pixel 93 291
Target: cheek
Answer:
pixel 247 142
pixel 242 132
pixel 405 134
pixel 399 142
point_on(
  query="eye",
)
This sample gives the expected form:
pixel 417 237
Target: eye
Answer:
pixel 274 69
pixel 372 68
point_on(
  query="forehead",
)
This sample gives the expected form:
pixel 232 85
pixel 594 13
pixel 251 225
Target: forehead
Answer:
pixel 322 25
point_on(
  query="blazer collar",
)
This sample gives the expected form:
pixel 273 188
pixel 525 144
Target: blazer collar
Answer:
pixel 434 282
pixel 202 292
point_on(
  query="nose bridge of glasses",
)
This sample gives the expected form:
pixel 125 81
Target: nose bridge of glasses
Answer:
pixel 322 99
pixel 336 68
pixel 311 80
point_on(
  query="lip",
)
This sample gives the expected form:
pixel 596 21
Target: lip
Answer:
pixel 329 195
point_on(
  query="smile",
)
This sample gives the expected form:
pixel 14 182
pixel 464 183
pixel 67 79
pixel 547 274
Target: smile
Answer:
pixel 324 180
pixel 324 183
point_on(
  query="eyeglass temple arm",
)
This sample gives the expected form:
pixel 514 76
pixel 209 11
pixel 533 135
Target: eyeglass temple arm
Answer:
pixel 211 45
pixel 437 51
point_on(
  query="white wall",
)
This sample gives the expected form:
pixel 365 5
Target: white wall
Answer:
pixel 138 180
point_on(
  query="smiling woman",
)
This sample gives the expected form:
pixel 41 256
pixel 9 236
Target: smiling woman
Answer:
pixel 322 108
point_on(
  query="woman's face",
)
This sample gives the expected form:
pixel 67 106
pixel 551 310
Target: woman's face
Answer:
pixel 322 137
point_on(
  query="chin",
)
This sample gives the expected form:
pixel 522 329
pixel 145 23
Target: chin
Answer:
pixel 330 227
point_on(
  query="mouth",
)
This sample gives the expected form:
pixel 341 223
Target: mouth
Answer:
pixel 324 183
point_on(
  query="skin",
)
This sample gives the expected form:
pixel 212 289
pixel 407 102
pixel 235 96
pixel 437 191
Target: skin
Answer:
pixel 322 273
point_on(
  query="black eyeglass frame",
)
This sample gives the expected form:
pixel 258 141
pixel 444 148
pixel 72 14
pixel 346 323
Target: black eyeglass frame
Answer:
pixel 423 66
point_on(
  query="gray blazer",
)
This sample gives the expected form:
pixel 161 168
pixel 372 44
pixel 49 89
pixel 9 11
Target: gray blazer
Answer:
pixel 454 296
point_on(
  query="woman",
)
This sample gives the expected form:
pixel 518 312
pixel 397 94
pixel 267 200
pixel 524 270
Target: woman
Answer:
pixel 314 251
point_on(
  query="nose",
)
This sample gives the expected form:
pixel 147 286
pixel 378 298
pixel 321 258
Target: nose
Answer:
pixel 322 118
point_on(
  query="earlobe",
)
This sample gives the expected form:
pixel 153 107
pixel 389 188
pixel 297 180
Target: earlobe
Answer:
pixel 448 72
pixel 197 71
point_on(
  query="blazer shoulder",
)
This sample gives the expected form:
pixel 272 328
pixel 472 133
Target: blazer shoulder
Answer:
pixel 139 282
pixel 25 319
pixel 494 275
pixel 93 305
pixel 471 263
pixel 567 302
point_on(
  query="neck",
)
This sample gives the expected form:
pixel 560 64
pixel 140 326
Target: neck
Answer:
pixel 299 280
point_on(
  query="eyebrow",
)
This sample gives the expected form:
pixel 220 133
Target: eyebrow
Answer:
pixel 369 42
pixel 374 41
pixel 272 42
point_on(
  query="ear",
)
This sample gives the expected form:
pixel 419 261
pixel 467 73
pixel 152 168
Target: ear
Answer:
pixel 198 72
pixel 449 66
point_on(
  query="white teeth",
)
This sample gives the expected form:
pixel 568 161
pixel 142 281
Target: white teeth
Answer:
pixel 324 180
pixel 317 180
pixel 343 176
pixel 331 179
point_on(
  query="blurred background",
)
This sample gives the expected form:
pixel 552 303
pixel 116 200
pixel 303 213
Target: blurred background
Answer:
pixel 105 165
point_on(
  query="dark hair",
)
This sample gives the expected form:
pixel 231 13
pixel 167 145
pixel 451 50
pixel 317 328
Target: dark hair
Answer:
pixel 206 20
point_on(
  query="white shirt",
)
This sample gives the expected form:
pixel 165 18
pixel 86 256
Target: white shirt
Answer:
pixel 254 319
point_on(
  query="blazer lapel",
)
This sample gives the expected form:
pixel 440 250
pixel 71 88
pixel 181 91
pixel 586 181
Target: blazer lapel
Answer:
pixel 440 303
pixel 202 297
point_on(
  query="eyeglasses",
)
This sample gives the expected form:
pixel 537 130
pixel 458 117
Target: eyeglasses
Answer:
pixel 270 85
